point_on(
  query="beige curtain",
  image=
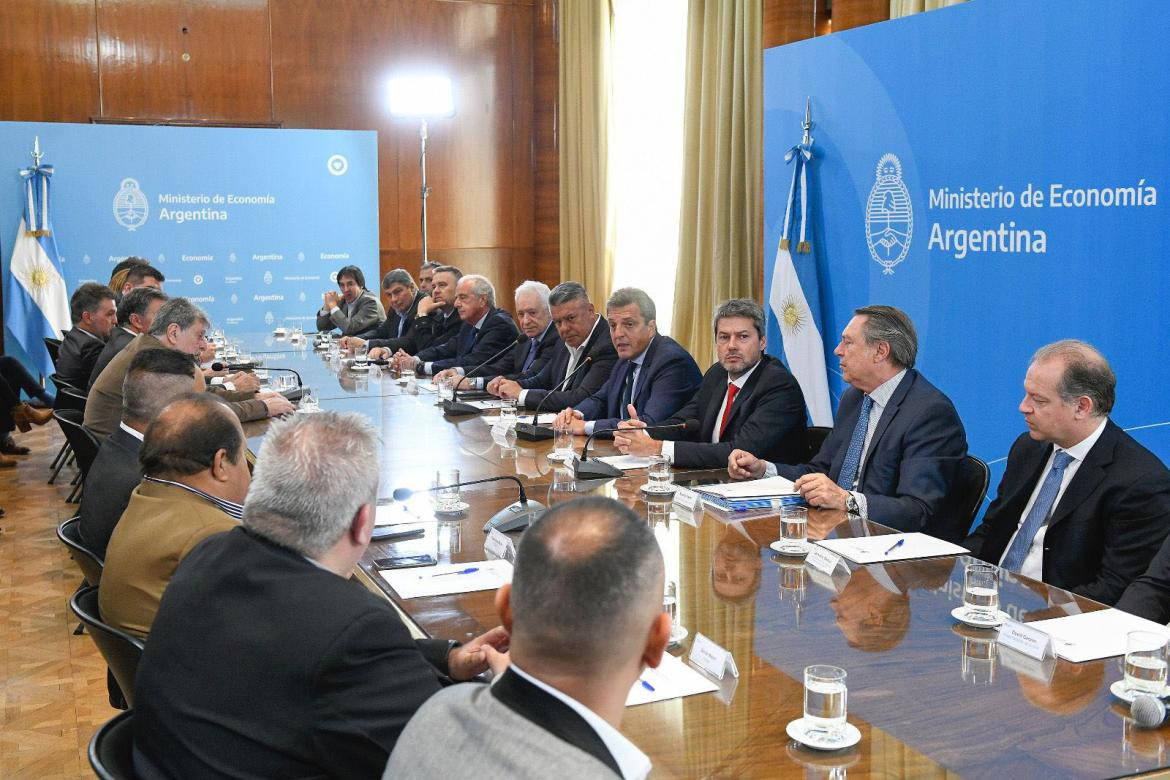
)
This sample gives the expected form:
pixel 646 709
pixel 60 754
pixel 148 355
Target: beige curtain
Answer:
pixel 586 226
pixel 900 8
pixel 719 230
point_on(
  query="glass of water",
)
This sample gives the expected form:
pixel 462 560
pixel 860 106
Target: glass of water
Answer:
pixel 361 355
pixel 406 374
pixel 793 530
pixel 447 497
pixel 508 413
pixel 309 400
pixel 660 479
pixel 825 697
pixel 981 592
pixel 446 388
pixel 1145 662
pixel 562 442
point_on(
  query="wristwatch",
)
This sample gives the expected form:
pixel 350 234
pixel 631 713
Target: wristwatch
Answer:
pixel 851 505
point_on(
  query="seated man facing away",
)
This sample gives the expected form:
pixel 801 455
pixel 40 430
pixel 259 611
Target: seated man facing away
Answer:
pixel 1081 505
pixel 435 319
pixel 156 377
pixel 535 320
pixel 181 326
pixel 558 383
pixel 747 401
pixel 654 377
pixel 266 659
pixel 1149 595
pixel 396 331
pixel 897 443
pixel 195 477
pixel 92 309
pixel 585 615
pixel 485 330
pixel 356 310
pixel 136 312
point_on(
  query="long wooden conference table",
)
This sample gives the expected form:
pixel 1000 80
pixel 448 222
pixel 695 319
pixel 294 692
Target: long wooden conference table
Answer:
pixel 930 697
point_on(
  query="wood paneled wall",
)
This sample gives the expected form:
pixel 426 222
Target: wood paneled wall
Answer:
pixel 786 21
pixel 492 169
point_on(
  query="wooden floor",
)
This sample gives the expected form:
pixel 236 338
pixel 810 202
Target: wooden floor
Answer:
pixel 52 683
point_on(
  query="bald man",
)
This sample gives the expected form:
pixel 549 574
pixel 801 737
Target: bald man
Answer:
pixel 585 615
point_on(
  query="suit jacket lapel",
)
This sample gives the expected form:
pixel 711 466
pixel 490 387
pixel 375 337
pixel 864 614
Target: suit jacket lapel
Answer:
pixel 1088 477
pixel 888 415
pixel 644 372
pixel 745 393
pixel 619 373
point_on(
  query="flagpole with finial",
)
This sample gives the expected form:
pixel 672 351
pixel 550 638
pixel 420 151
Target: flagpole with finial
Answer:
pixel 36 153
pixel 37 192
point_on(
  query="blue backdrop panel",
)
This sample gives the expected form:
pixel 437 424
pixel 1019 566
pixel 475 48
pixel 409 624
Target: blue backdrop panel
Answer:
pixel 249 223
pixel 1030 137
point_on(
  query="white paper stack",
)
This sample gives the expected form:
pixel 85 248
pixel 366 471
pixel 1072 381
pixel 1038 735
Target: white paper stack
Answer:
pixel 1093 635
pixel 673 679
pixel 877 549
pixel 442 579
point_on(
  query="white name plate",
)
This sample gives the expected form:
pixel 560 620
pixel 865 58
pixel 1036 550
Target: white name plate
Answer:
pixel 1023 639
pixel 712 658
pixel 687 499
pixel 499 545
pixel 822 560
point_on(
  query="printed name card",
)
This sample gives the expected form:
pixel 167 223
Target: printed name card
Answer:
pixel 822 560
pixel 1024 639
pixel 500 546
pixel 712 658
pixel 687 499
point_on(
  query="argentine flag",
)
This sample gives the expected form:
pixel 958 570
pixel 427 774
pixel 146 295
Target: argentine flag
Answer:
pixel 802 338
pixel 35 301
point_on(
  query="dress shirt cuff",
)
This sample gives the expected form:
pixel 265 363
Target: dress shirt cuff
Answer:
pixel 335 308
pixel 770 469
pixel 589 428
pixel 523 395
pixel 460 370
pixel 668 450
pixel 862 507
pixel 426 367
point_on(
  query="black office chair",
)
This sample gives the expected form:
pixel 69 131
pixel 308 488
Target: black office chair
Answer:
pixel 968 492
pixel 68 397
pixel 82 442
pixel 111 750
pixel 814 437
pixel 54 348
pixel 90 563
pixel 122 651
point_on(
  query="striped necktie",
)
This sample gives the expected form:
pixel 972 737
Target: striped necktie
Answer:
pixel 848 473
pixel 1038 514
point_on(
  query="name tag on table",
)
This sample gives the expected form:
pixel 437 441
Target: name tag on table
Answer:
pixel 687 499
pixel 1024 639
pixel 500 546
pixel 712 658
pixel 822 560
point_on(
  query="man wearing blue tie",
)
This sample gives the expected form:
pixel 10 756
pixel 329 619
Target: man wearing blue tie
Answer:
pixel 1081 505
pixel 897 443
pixel 654 374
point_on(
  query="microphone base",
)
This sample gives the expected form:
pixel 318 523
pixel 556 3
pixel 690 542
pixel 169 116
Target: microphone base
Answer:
pixel 595 469
pixel 293 394
pixel 515 516
pixel 458 408
pixel 533 432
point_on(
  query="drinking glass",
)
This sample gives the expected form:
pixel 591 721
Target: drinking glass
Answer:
pixel 1145 662
pixel 448 497
pixel 793 530
pixel 660 479
pixel 981 592
pixel 979 660
pixel 308 400
pixel 508 413
pixel 825 698
pixel 562 442
pixel 361 355
pixel 446 388
pixel 406 375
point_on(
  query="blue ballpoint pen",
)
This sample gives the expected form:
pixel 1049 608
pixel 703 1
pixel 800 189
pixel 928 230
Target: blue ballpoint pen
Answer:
pixel 468 570
pixel 646 685
pixel 895 546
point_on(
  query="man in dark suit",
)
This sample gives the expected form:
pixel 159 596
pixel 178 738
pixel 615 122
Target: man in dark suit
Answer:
pixel 584 334
pixel 747 401
pixel 156 377
pixel 485 330
pixel 897 444
pixel 585 613
pixel 136 312
pixel 654 375
pixel 542 341
pixel 356 310
pixel 1149 595
pixel 320 675
pixel 435 318
pixel 92 309
pixel 1081 505
pixel 403 298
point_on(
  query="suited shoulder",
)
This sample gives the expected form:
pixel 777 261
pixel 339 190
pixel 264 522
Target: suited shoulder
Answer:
pixel 1139 461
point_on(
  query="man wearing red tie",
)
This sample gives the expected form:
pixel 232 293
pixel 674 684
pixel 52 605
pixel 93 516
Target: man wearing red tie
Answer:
pixel 747 401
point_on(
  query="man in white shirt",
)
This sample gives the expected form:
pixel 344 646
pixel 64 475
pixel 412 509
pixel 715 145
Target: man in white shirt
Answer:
pixel 1081 505
pixel 585 615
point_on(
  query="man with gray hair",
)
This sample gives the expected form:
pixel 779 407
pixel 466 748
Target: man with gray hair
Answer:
pixel 1081 504
pixel 897 443
pixel 748 400
pixel 182 326
pixel 136 312
pixel 321 675
pixel 485 331
pixel 584 610
pixel 156 377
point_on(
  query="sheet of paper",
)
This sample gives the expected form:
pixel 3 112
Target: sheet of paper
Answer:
pixel 1093 635
pixel 672 679
pixel 753 488
pixel 441 580
pixel 545 419
pixel 493 403
pixel 876 549
pixel 426 386
pixel 626 462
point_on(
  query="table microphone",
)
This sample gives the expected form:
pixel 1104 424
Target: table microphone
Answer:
pixel 596 469
pixel 534 432
pixel 513 517
pixel 457 407
pixel 1147 711
pixel 221 366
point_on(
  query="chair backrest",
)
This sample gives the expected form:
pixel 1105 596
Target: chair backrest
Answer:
pixel 111 750
pixel 969 490
pixel 67 394
pixel 90 563
pixel 814 437
pixel 85 446
pixel 54 348
pixel 122 651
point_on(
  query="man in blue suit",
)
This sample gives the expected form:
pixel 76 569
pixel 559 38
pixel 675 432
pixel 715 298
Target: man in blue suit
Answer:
pixel 654 375
pixel 897 444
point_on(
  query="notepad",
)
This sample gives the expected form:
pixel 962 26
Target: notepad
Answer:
pixel 770 487
pixel 626 462
pixel 673 679
pixel 873 549
pixel 1092 635
pixel 441 580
